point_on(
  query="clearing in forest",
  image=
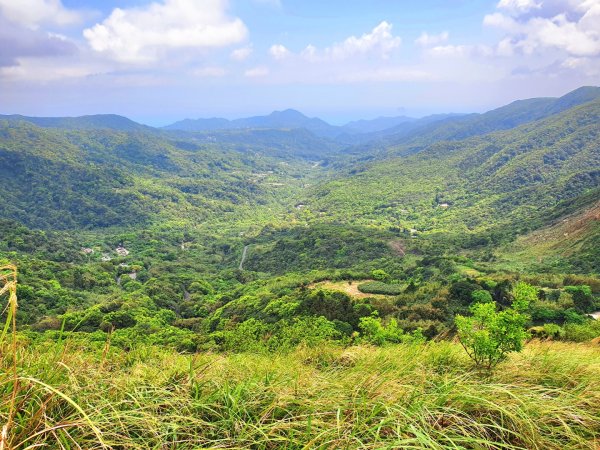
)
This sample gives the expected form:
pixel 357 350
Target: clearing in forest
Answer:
pixel 350 287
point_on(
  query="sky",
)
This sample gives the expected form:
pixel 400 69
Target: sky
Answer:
pixel 164 60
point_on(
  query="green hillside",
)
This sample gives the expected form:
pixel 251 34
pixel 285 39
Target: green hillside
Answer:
pixel 413 137
pixel 103 178
pixel 501 183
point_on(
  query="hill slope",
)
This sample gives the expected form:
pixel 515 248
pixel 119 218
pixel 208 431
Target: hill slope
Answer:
pixel 98 178
pixel 97 121
pixel 509 177
pixel 415 137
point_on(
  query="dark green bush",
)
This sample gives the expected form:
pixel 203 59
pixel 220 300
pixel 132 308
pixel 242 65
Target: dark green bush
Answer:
pixel 377 287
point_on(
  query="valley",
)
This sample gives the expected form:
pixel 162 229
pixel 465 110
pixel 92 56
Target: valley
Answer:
pixel 297 258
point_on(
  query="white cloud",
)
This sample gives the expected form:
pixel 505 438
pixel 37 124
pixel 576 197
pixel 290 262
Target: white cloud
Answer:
pixel 379 42
pixel 257 72
pixel 519 6
pixel 576 30
pixel 279 52
pixel 502 21
pixel 427 40
pixel 461 51
pixel 240 54
pixel 309 53
pixel 32 13
pixel 143 34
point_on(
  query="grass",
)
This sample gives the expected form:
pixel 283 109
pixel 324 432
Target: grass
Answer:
pixel 349 287
pixel 395 397
pixel 77 394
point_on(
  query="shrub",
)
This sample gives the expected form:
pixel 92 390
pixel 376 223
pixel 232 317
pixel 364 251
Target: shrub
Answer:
pixel 377 287
pixel 247 336
pixel 582 297
pixel 380 275
pixel 481 296
pixel 489 336
pixel 542 311
pixel 201 287
pixel 120 319
pixel 307 331
pixel 373 331
pixel 582 332
pixel 553 331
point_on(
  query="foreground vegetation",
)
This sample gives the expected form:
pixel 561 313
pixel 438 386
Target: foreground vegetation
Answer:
pixel 72 395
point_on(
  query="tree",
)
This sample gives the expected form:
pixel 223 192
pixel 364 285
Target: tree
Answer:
pixel 488 336
pixel 380 275
pixel 481 296
pixel 582 297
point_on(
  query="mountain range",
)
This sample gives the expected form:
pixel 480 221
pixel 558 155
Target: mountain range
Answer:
pixel 467 180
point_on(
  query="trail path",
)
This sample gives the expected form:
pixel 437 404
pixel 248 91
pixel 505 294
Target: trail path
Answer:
pixel 243 257
pixel 596 315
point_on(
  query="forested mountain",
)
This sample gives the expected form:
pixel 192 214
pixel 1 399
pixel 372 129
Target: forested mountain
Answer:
pixel 98 178
pixel 279 142
pixel 409 139
pixel 97 121
pixel 378 124
pixel 484 182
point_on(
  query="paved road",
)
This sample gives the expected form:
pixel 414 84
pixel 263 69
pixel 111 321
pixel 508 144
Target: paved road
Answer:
pixel 243 257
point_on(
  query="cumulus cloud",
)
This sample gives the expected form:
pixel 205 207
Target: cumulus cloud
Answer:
pixel 33 13
pixel 519 6
pixel 279 52
pixel 427 40
pixel 574 30
pixel 142 35
pixel 20 42
pixel 379 42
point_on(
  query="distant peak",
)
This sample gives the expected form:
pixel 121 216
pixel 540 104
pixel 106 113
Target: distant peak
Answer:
pixel 288 113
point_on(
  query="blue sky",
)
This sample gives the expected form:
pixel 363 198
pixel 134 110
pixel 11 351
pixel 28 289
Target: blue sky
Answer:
pixel 161 61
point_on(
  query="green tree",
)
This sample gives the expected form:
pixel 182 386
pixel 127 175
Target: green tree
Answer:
pixel 481 296
pixel 488 336
pixel 380 275
pixel 582 297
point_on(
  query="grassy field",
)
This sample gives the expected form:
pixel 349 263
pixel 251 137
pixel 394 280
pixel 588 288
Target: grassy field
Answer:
pixel 72 395
pixel 348 287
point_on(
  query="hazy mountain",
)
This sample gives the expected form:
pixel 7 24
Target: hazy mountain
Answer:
pixel 374 125
pixel 97 121
pixel 510 116
pixel 288 119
